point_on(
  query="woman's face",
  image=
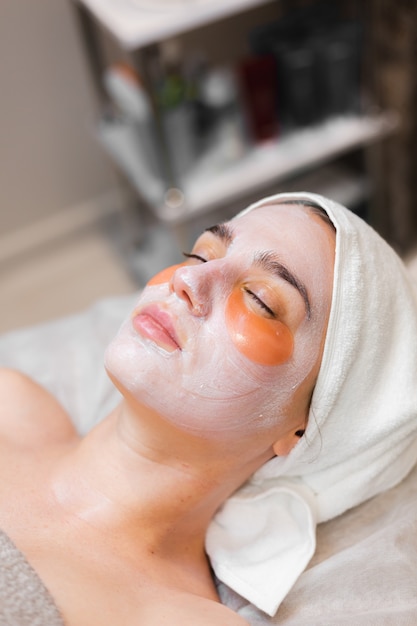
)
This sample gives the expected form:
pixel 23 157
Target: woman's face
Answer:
pixel 230 341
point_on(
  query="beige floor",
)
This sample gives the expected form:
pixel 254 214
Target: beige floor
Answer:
pixel 61 280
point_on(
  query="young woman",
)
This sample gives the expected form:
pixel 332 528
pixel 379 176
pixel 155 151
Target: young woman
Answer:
pixel 217 365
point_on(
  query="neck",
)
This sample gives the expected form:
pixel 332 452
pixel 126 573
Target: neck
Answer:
pixel 158 490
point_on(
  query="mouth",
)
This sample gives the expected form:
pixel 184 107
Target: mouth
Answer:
pixel 156 325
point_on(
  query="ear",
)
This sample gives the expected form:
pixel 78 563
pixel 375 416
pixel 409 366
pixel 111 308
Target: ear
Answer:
pixel 283 446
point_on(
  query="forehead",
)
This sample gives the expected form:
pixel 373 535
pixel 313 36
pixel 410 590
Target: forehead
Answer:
pixel 282 227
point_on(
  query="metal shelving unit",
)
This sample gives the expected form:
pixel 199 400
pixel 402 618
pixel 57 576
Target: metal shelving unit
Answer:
pixel 137 25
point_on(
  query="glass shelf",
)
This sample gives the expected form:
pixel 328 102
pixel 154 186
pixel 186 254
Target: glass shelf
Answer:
pixel 136 23
pixel 265 165
pixel 275 161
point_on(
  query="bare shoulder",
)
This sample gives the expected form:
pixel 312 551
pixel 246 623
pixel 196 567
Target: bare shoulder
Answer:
pixel 227 618
pixel 195 611
pixel 187 611
pixel 217 614
pixel 29 414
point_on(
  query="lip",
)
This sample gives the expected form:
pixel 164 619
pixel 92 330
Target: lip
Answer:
pixel 155 324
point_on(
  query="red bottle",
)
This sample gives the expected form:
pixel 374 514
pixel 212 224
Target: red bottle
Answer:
pixel 258 76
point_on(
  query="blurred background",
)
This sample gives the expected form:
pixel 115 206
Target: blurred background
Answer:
pixel 127 126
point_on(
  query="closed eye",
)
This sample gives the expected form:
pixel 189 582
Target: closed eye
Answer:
pixel 260 302
pixel 190 255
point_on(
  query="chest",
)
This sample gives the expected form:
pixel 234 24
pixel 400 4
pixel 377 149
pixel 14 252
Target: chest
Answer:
pixel 90 577
pixel 87 591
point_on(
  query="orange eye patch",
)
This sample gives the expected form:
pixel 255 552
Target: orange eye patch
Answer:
pixel 262 340
pixel 163 276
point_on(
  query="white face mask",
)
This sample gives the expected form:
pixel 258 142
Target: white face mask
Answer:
pixel 221 343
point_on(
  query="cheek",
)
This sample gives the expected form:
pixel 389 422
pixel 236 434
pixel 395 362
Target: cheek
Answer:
pixel 264 341
pixel 164 276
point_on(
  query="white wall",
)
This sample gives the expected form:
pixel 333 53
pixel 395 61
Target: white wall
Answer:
pixel 49 160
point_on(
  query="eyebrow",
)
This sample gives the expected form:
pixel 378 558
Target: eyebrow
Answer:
pixel 223 231
pixel 267 261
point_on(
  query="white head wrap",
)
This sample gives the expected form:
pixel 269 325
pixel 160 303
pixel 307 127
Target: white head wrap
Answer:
pixel 361 437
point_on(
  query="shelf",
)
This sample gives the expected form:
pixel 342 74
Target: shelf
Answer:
pixel 272 163
pixel 266 165
pixel 136 23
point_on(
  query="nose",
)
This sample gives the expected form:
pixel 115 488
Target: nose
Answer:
pixel 195 284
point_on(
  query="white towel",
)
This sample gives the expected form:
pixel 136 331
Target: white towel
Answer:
pixel 361 437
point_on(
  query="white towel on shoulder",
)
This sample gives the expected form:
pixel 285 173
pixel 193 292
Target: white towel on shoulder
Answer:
pixel 361 437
